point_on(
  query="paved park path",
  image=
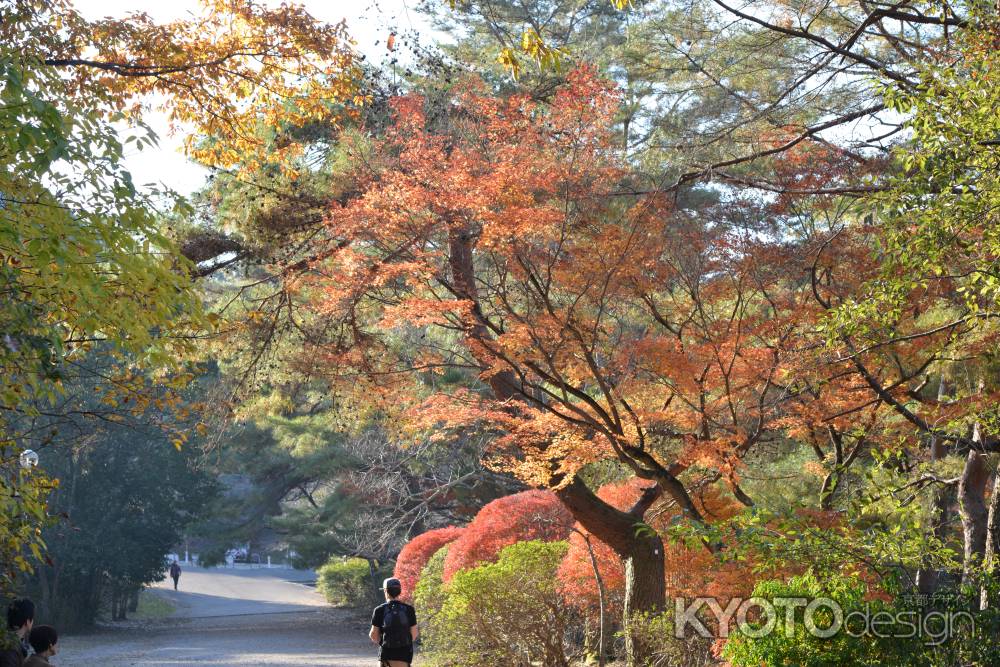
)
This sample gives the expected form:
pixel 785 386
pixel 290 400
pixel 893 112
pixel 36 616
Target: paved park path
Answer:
pixel 231 618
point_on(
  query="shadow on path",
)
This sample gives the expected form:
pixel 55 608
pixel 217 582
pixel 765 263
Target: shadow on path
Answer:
pixel 230 618
pixel 332 638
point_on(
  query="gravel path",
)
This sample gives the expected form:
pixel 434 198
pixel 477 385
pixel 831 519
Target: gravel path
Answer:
pixel 231 618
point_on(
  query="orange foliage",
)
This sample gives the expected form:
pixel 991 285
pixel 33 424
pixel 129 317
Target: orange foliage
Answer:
pixel 603 306
pixel 529 515
pixel 225 73
pixel 508 243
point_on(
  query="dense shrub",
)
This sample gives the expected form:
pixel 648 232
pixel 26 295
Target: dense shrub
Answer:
pixel 505 613
pixel 530 515
pixel 904 631
pixel 417 553
pixel 429 597
pixel 654 636
pixel 348 582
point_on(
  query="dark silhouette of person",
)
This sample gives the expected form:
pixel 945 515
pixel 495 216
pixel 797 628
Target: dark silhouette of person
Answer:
pixel 20 619
pixel 175 573
pixel 45 640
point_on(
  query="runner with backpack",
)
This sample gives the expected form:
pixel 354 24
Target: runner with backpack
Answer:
pixel 394 627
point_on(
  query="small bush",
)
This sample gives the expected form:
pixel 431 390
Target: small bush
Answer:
pixel 348 582
pixel 212 557
pixel 529 515
pixel 654 637
pixel 417 553
pixel 505 613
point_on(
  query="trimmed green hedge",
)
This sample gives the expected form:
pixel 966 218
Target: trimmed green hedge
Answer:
pixel 348 582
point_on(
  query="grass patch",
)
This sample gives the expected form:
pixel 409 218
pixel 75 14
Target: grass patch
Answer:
pixel 152 606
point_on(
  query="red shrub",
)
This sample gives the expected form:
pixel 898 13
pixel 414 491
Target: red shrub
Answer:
pixel 530 515
pixel 414 556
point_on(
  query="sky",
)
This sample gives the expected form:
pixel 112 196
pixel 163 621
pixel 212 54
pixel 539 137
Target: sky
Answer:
pixel 369 23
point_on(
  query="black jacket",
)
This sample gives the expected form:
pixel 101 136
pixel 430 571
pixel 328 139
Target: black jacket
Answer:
pixel 13 657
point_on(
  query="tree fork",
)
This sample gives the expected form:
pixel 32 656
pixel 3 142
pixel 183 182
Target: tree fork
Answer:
pixel 640 548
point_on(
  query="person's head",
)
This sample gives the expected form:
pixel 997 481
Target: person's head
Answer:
pixel 21 616
pixel 44 640
pixel 392 587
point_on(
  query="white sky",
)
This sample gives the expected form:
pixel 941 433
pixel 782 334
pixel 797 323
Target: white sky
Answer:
pixel 369 23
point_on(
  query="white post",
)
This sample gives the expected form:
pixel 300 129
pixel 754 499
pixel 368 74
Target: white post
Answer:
pixel 269 562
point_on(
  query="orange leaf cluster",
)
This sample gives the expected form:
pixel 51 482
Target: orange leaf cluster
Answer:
pixel 228 76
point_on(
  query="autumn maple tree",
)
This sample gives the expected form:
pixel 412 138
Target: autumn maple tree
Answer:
pixel 506 239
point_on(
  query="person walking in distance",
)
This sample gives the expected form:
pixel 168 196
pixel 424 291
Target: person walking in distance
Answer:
pixel 394 627
pixel 175 573
pixel 20 619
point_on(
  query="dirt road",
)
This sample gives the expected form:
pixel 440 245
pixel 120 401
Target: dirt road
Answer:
pixel 231 618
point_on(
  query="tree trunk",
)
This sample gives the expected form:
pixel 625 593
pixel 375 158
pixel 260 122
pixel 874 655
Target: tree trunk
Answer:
pixel 376 584
pixel 640 549
pixel 114 603
pixel 942 496
pixel 645 592
pixel 133 600
pixel 991 558
pixel 972 508
pixel 602 645
pixel 45 608
pixel 830 483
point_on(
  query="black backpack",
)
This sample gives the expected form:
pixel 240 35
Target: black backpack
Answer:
pixel 395 626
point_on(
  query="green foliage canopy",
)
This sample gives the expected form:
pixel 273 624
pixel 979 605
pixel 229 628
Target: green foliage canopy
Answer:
pixel 82 263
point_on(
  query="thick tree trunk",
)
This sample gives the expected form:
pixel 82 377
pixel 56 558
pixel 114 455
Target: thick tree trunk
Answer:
pixel 972 508
pixel 645 591
pixel 640 549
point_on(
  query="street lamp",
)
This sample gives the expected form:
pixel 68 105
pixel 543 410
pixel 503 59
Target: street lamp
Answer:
pixel 28 459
